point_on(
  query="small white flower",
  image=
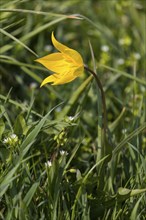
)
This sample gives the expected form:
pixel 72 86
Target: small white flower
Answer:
pixel 58 109
pixel 137 56
pixel 6 140
pixel 33 85
pixel 105 48
pixel 125 41
pixel 13 136
pixel 62 152
pixel 48 48
pixel 48 163
pixel 120 61
pixel 11 140
pixel 121 41
pixel 124 130
pixel 71 118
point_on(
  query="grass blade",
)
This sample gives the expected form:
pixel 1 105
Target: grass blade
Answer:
pixel 18 41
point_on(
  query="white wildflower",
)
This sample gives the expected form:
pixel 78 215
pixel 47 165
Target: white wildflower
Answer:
pixel 48 48
pixel 33 85
pixel 137 56
pixel 11 140
pixel 71 118
pixel 105 48
pixel 48 163
pixel 62 152
pixel 6 140
pixel 120 61
pixel 13 136
pixel 121 41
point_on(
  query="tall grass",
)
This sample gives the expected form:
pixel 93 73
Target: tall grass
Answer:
pixel 51 138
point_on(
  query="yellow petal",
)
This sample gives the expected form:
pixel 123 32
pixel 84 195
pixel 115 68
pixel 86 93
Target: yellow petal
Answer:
pixel 54 62
pixel 79 71
pixel 52 78
pixel 64 79
pixel 73 54
pixel 58 45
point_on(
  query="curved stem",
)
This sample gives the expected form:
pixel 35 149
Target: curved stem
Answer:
pixel 102 96
pixel 102 152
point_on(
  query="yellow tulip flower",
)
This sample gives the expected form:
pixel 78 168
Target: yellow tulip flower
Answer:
pixel 67 64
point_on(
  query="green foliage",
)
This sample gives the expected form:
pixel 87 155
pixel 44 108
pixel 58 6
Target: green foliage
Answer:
pixel 52 163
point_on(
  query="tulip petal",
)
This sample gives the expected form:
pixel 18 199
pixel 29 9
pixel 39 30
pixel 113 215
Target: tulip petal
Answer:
pixel 54 62
pixel 58 45
pixel 52 78
pixel 74 56
pixel 64 79
pixel 78 71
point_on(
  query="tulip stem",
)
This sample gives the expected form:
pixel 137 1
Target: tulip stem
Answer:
pixel 102 97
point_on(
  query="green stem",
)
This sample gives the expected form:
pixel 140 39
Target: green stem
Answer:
pixel 104 129
pixel 103 101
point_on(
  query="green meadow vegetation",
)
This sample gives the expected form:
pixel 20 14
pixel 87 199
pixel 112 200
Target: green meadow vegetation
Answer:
pixel 64 155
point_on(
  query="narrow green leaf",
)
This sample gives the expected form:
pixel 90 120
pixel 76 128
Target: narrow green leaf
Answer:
pixel 135 192
pixel 127 75
pixel 5 181
pixel 20 105
pixel 33 12
pixel 12 61
pixel 20 124
pixel 128 138
pixel 18 41
pixel 35 32
pixel 5 114
pixel 117 121
pixel 135 209
pixel 28 197
pixel 2 127
pixel 33 134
